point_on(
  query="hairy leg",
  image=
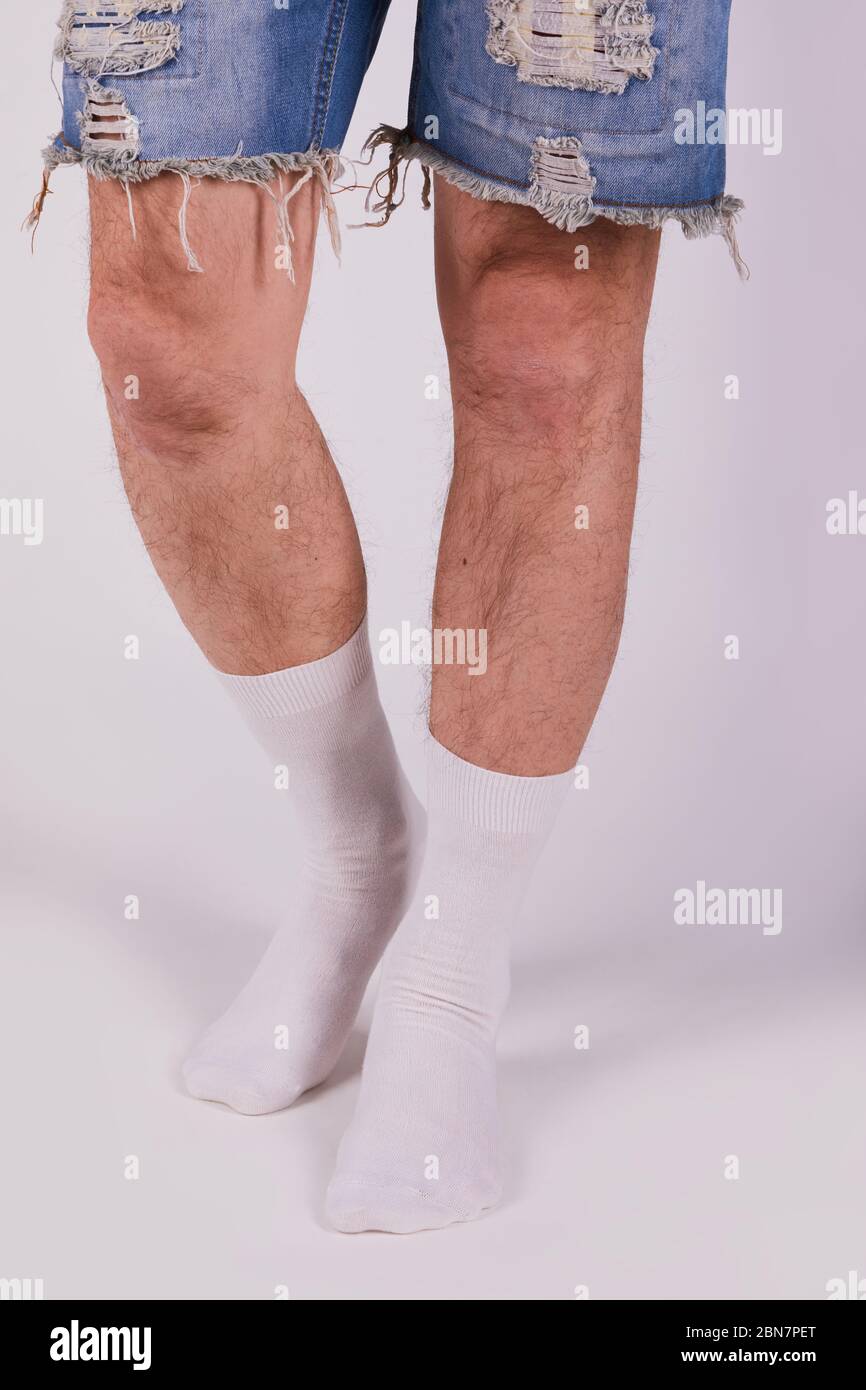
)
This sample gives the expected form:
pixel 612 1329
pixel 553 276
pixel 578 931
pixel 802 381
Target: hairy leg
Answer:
pixel 230 480
pixel 546 379
pixel 247 523
pixel 546 383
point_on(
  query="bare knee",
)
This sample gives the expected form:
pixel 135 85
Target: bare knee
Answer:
pixel 169 385
pixel 184 354
pixel 534 316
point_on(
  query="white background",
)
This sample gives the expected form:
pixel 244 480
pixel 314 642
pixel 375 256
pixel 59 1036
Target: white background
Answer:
pixel 127 777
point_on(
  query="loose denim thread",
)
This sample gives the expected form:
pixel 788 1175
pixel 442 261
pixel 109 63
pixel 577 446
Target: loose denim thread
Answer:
pixel 325 166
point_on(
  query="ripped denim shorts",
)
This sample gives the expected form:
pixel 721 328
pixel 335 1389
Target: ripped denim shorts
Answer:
pixel 577 108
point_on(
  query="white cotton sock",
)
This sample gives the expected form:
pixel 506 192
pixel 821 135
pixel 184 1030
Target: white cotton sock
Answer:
pixel 422 1150
pixel 363 833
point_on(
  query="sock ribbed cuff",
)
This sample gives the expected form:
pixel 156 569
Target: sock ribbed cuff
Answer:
pixel 492 800
pixel 307 687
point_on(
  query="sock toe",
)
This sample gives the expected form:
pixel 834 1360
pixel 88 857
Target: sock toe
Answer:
pixel 353 1207
pixel 217 1082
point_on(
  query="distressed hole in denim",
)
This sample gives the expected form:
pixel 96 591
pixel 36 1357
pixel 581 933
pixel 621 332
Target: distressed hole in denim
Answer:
pixel 561 183
pixel 110 40
pixel 586 45
pixel 560 167
pixel 107 125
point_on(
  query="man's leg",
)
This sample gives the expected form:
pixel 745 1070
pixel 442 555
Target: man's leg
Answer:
pixel 213 434
pixel 546 376
pixel 247 523
pixel 546 372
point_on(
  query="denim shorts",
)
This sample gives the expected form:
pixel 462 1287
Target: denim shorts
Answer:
pixel 576 108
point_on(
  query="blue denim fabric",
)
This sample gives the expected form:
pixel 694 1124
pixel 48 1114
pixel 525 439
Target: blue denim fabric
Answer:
pixel 489 120
pixel 246 73
pixel 253 79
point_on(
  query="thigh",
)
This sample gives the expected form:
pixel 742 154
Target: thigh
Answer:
pixel 511 285
pixel 243 306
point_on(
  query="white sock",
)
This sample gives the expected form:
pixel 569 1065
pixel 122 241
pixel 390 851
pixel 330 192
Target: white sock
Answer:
pixel 363 835
pixel 422 1150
